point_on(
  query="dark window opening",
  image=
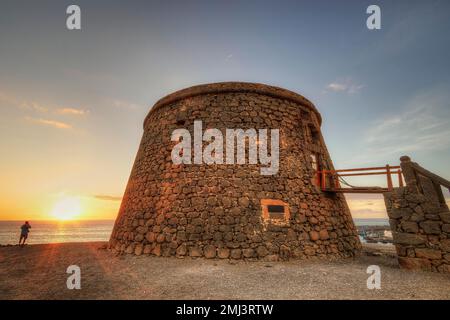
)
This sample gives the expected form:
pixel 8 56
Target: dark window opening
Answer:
pixel 315 162
pixel 275 211
pixel 315 136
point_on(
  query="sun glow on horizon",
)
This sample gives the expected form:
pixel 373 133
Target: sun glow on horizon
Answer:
pixel 67 208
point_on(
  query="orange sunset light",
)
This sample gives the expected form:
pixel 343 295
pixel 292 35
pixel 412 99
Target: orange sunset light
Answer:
pixel 67 208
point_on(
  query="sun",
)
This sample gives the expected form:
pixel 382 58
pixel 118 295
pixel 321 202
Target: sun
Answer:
pixel 67 208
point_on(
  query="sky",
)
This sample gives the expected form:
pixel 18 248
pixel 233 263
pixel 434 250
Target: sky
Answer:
pixel 72 102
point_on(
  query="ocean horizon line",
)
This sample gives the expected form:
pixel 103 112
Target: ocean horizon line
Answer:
pixel 113 219
pixel 56 231
pixel 55 220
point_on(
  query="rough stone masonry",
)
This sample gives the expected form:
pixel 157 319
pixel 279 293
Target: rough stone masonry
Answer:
pixel 420 221
pixel 232 211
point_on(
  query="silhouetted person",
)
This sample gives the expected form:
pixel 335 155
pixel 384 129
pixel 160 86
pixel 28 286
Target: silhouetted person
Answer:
pixel 25 229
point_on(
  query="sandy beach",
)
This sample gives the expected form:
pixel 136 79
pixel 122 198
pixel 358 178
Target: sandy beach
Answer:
pixel 39 272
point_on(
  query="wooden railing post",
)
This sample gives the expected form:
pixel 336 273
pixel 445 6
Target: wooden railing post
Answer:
pixel 324 175
pixel 336 181
pixel 332 180
pixel 389 178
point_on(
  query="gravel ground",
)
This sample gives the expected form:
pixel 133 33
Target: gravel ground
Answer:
pixel 39 272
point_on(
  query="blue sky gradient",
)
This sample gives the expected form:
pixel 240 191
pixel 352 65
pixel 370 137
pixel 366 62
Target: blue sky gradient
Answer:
pixel 72 102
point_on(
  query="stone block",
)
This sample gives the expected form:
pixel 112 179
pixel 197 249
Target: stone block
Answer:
pixel 445 217
pixel 209 251
pixel 181 250
pixel 427 253
pixel 444 268
pixel 271 258
pixel 408 238
pixel 410 226
pixel 314 235
pixel 431 227
pixel 235 254
pixel 248 253
pixel 139 249
pixel 323 234
pixel 130 248
pixel 414 263
pixel 157 250
pixel 160 238
pixel 262 251
pixel 309 251
pixel 434 217
pixel 147 249
pixel 445 245
pixel 397 213
pixel 393 223
pixel 223 253
pixel 195 251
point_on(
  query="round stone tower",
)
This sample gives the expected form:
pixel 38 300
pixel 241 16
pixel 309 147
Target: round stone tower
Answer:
pixel 233 209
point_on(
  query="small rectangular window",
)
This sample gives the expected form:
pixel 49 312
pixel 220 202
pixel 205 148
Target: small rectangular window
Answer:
pixel 315 135
pixel 275 211
pixel 315 162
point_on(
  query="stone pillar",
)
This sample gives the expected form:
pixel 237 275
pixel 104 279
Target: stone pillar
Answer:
pixel 409 174
pixel 420 224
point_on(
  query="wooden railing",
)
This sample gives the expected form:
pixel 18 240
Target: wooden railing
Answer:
pixel 414 176
pixel 412 173
pixel 331 180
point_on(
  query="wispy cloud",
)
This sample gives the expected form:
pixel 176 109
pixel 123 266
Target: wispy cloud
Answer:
pixel 72 111
pixel 126 104
pixel 423 125
pixel 38 107
pixel 344 86
pixel 34 106
pixel 21 103
pixel 107 197
pixel 50 123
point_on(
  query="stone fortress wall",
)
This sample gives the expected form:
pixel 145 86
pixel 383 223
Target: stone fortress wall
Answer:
pixel 225 211
pixel 420 221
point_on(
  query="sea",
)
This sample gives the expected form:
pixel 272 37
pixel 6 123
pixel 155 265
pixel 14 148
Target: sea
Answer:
pixel 371 222
pixel 57 231
pixel 86 231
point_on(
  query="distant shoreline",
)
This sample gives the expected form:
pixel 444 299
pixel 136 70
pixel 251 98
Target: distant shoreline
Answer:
pixel 356 220
pixel 60 221
pixel 82 231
